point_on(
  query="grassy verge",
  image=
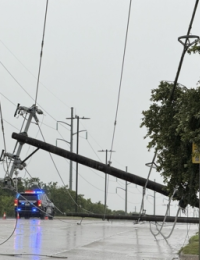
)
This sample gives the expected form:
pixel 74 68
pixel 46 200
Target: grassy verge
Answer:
pixel 193 247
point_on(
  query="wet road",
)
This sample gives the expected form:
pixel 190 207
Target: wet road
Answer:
pixel 38 239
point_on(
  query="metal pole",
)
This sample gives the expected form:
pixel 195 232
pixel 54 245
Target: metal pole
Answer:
pixel 105 196
pixel 20 145
pixel 106 170
pixel 71 149
pixel 77 143
pixel 143 194
pixel 154 199
pixel 126 194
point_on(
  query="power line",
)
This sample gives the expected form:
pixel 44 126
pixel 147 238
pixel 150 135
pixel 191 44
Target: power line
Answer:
pixel 92 138
pixel 15 79
pixel 127 201
pixel 10 124
pixel 27 92
pixel 10 234
pixel 42 44
pixel 32 73
pixel 61 177
pixel 42 123
pixel 121 76
pixel 39 65
pixel 94 151
pixel 122 185
pixel 41 189
pixel 97 175
pixel 52 127
pixel 99 160
pixel 25 119
pixel 95 154
pixel 22 127
pixel 8 99
pixel 93 185
pixel 4 139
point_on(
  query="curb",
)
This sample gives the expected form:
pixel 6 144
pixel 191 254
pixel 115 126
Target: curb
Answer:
pixel 188 257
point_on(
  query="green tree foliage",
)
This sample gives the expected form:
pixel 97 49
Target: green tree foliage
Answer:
pixel 119 212
pixel 172 127
pixel 6 205
pixel 62 197
pixel 195 48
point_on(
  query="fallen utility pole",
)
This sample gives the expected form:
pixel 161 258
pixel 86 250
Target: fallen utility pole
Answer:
pixel 135 217
pixel 92 163
pixel 107 169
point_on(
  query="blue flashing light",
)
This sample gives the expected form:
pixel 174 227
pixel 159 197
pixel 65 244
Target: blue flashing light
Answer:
pixel 39 192
pixel 34 191
pixel 18 209
pixel 34 210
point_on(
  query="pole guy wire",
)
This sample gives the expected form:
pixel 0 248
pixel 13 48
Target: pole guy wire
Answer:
pixel 42 45
pixel 121 77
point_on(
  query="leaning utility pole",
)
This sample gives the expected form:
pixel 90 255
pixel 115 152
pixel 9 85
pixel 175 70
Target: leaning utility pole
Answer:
pixel 18 164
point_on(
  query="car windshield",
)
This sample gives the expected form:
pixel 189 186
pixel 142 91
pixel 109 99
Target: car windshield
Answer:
pixel 27 197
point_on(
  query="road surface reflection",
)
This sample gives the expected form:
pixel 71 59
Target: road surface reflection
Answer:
pixel 29 235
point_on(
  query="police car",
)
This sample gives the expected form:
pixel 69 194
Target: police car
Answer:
pixel 33 203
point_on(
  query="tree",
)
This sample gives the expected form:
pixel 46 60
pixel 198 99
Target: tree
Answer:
pixel 172 127
pixel 6 205
pixel 65 200
pixel 195 48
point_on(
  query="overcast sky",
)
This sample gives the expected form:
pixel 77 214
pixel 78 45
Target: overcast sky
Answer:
pixel 81 65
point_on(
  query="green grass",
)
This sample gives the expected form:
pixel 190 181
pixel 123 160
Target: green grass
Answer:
pixel 193 247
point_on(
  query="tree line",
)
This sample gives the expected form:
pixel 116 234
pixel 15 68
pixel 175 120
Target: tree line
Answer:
pixel 62 197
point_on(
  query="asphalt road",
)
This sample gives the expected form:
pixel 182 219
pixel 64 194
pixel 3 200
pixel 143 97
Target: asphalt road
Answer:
pixel 93 240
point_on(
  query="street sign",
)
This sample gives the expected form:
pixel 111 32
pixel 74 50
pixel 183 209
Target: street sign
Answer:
pixel 195 154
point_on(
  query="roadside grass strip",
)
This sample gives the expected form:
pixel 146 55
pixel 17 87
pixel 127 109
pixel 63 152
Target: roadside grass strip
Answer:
pixel 193 247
